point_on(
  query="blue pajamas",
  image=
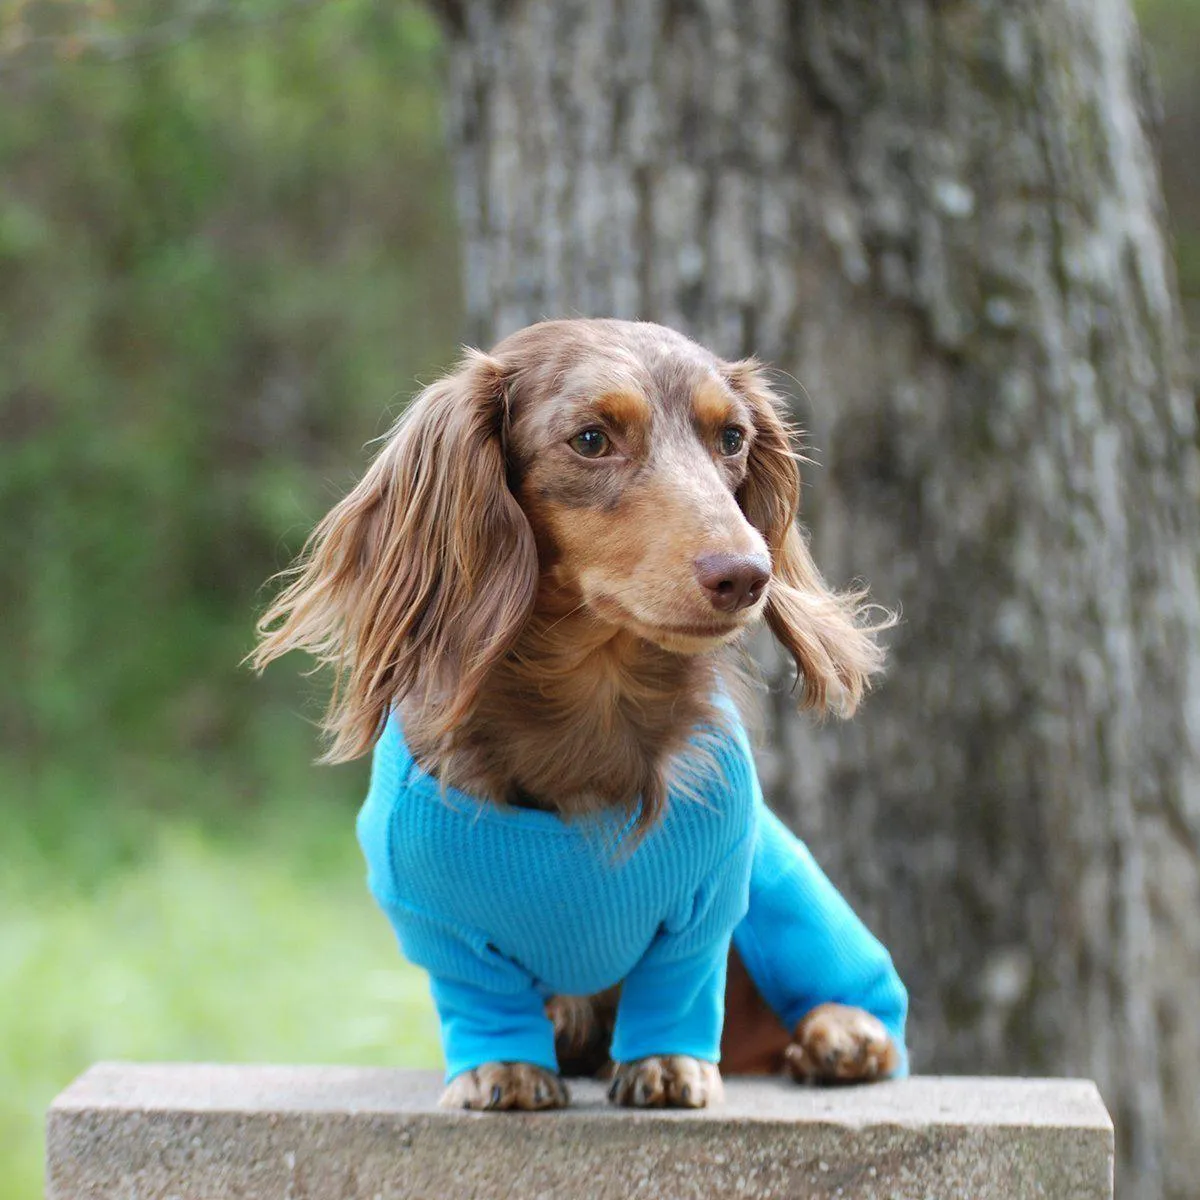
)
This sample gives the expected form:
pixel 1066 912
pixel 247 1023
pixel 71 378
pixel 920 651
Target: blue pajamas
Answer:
pixel 505 907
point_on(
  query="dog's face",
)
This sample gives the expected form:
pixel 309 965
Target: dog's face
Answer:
pixel 627 447
pixel 610 467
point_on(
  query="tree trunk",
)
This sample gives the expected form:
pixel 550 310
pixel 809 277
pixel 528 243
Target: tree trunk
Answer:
pixel 944 220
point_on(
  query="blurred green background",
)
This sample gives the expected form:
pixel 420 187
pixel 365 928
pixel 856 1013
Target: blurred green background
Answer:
pixel 227 257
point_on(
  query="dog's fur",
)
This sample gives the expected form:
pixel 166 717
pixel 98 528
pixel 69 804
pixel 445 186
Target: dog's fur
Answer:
pixel 535 613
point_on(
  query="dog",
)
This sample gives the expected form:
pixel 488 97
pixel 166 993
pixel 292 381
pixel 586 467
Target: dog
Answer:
pixel 536 596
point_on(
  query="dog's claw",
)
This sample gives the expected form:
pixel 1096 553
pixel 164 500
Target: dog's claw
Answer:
pixel 673 1081
pixel 500 1086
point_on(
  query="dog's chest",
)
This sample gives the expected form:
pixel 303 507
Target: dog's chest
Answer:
pixel 569 903
pixel 500 895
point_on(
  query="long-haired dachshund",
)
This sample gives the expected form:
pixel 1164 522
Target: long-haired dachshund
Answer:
pixel 531 604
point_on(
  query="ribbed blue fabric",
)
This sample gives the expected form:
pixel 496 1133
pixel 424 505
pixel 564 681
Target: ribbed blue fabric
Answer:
pixel 504 907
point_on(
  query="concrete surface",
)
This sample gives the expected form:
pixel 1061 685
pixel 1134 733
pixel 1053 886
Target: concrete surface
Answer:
pixel 150 1132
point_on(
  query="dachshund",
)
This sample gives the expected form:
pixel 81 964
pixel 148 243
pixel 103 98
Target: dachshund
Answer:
pixel 546 572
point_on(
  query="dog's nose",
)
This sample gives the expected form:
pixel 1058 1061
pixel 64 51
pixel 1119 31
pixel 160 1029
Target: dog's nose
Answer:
pixel 733 581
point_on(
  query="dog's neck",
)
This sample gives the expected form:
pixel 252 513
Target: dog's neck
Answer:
pixel 580 716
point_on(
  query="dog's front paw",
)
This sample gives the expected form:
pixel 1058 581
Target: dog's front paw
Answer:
pixel 666 1081
pixel 836 1044
pixel 502 1085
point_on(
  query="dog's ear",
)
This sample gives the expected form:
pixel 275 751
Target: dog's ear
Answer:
pixel 423 576
pixel 829 634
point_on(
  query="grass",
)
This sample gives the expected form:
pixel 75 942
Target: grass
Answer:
pixel 129 932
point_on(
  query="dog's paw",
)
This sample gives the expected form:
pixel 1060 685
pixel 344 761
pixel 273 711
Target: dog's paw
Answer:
pixel 496 1086
pixel 836 1044
pixel 666 1081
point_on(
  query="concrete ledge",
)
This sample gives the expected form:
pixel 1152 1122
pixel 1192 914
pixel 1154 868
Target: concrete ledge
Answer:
pixel 143 1132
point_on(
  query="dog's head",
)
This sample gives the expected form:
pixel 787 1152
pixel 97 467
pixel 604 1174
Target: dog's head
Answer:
pixel 606 466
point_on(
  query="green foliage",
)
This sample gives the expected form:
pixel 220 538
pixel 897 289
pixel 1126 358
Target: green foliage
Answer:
pixel 1172 32
pixel 221 263
pixel 226 254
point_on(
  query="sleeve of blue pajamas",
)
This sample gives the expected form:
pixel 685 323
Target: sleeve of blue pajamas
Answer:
pixel 803 945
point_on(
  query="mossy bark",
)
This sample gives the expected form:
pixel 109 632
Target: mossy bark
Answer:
pixel 942 221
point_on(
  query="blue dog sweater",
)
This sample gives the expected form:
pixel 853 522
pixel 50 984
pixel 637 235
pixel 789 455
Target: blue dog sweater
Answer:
pixel 505 907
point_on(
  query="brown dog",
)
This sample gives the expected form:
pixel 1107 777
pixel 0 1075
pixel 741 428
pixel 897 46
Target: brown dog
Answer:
pixel 545 570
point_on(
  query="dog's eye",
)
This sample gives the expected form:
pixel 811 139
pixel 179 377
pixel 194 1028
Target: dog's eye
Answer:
pixel 591 443
pixel 732 440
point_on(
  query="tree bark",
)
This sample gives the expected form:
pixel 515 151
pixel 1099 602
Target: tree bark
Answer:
pixel 944 221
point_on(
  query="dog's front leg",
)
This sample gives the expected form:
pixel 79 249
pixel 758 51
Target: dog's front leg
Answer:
pixel 668 1032
pixel 803 947
pixel 499 1048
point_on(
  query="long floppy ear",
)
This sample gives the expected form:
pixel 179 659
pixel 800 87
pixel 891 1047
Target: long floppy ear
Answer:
pixel 829 634
pixel 423 577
